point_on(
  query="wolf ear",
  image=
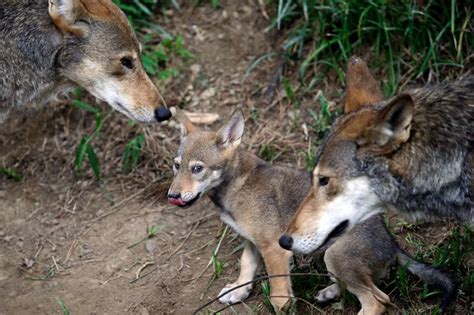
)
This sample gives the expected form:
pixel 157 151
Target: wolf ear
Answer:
pixel 67 15
pixel 229 136
pixel 362 89
pixel 186 125
pixel 392 127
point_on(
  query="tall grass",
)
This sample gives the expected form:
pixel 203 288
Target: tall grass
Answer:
pixel 408 39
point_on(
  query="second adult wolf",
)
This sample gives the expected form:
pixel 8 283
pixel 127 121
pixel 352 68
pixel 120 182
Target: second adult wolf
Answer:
pixel 413 154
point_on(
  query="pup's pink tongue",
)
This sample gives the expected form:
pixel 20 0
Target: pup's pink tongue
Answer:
pixel 176 201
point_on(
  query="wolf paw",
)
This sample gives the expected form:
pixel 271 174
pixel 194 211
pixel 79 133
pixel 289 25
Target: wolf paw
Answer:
pixel 236 295
pixel 329 293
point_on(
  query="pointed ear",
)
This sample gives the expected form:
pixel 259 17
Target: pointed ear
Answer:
pixel 67 15
pixel 229 135
pixel 362 89
pixel 392 126
pixel 186 125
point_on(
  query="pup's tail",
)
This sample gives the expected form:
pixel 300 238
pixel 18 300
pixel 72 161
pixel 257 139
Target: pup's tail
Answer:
pixel 432 276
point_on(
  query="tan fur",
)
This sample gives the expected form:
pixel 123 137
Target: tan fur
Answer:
pixel 362 89
pixel 246 190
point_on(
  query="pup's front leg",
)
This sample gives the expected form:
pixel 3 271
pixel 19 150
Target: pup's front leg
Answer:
pixel 249 264
pixel 277 263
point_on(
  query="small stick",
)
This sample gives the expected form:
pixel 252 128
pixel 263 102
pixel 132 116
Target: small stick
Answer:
pixel 148 263
pixel 216 251
pixel 55 263
pixel 69 252
pixel 146 274
pixel 186 239
pixel 116 207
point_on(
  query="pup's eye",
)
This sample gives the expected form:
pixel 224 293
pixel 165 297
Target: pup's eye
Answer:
pixel 176 166
pixel 127 62
pixel 196 169
pixel 323 180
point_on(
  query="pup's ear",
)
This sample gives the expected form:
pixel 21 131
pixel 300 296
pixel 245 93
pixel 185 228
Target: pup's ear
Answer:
pixel 362 89
pixel 186 125
pixel 230 134
pixel 391 127
pixel 69 16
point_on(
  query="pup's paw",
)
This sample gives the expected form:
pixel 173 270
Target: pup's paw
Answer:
pixel 329 293
pixel 236 295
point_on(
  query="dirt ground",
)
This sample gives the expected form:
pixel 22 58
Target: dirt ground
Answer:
pixel 65 236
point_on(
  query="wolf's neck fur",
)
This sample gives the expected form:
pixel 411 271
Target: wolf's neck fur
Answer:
pixel 235 173
pixel 432 173
pixel 29 45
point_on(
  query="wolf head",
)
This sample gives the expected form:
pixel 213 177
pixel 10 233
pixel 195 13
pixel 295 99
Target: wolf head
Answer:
pixel 202 158
pixel 342 194
pixel 101 53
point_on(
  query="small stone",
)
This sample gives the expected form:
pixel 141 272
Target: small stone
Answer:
pixel 195 70
pixel 208 93
pixel 151 246
pixel 20 243
pixel 225 15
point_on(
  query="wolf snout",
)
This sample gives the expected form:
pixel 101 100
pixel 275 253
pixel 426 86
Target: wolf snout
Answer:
pixel 286 241
pixel 162 113
pixel 175 199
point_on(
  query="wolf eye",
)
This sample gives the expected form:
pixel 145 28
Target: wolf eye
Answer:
pixel 176 166
pixel 127 62
pixel 323 180
pixel 196 169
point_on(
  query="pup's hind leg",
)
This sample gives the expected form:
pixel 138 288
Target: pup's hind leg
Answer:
pixel 357 275
pixel 277 263
pixel 370 301
pixel 249 264
pixel 329 293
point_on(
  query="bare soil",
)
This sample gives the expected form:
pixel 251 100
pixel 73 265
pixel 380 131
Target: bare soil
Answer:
pixel 65 235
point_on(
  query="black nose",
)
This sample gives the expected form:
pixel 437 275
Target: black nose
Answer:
pixel 174 195
pixel 162 113
pixel 286 242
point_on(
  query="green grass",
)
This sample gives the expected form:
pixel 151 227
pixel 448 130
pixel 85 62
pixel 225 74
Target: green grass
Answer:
pixel 11 173
pixel 150 232
pixel 406 40
pixel 63 307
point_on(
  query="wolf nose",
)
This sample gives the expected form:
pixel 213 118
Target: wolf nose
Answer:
pixel 174 195
pixel 162 113
pixel 286 242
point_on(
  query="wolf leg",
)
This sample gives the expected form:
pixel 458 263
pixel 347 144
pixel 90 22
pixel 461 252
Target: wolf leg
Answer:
pixel 277 263
pixel 371 305
pixel 329 293
pixel 249 264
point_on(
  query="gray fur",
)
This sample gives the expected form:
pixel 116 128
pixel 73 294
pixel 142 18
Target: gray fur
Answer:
pixel 29 48
pixel 47 49
pixel 440 177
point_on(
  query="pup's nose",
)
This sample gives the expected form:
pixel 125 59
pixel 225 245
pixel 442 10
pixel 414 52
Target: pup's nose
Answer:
pixel 173 195
pixel 286 241
pixel 162 113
